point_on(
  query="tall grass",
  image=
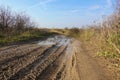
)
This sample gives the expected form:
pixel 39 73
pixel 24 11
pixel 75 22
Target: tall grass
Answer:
pixel 104 37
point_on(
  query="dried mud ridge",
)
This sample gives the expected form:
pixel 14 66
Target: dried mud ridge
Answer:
pixel 52 59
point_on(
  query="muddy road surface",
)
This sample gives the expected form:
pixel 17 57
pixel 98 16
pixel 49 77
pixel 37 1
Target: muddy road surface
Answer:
pixel 57 58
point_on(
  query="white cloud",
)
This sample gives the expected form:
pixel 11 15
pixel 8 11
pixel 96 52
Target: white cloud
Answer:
pixel 74 11
pixel 42 3
pixel 95 7
pixel 106 6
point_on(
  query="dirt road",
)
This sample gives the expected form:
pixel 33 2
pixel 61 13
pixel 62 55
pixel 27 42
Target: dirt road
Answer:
pixel 57 58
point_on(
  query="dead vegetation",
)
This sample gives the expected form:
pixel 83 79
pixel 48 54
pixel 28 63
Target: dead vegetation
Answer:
pixel 103 39
pixel 104 36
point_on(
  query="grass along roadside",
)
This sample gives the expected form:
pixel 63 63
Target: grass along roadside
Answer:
pixel 25 36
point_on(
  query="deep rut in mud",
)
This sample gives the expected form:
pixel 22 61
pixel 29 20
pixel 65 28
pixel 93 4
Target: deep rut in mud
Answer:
pixel 42 61
pixel 57 58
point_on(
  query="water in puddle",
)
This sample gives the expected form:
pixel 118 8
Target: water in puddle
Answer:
pixel 61 40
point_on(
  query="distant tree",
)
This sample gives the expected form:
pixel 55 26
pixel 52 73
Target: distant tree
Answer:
pixel 74 30
pixel 66 28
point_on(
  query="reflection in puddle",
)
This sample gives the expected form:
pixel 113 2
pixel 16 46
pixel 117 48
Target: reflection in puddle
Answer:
pixel 46 43
pixel 60 40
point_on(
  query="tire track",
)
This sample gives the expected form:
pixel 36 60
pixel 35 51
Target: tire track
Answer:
pixel 35 62
pixel 43 65
pixel 50 72
pixel 5 62
pixel 15 66
pixel 26 70
pixel 60 75
pixel 14 52
pixel 8 47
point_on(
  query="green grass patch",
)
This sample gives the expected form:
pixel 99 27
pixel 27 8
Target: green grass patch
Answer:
pixel 25 36
pixel 108 54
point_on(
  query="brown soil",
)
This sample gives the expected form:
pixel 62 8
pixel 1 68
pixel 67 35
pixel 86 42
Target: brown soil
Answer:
pixel 64 60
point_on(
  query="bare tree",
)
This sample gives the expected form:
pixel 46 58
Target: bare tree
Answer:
pixel 6 18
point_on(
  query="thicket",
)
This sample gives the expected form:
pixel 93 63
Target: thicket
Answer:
pixel 15 27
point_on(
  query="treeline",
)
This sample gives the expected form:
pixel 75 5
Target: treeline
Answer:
pixel 12 23
pixel 17 27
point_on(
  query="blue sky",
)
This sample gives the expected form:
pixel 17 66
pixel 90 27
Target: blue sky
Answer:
pixel 62 13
